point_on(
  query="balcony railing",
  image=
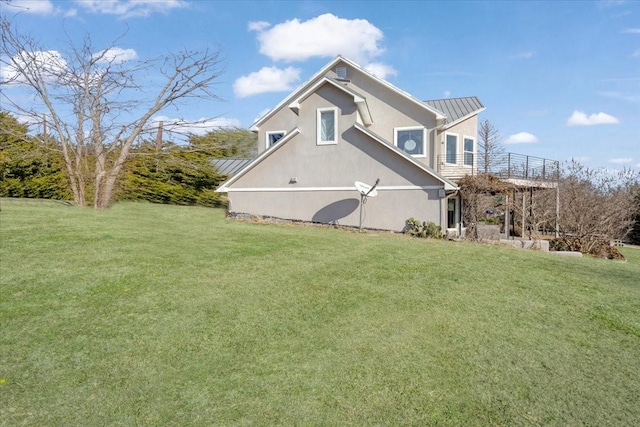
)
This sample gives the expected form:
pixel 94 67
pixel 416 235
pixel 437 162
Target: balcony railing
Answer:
pixel 504 165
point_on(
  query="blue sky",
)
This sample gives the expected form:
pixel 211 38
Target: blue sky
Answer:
pixel 559 79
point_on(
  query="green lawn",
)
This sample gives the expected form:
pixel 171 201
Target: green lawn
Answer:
pixel 164 315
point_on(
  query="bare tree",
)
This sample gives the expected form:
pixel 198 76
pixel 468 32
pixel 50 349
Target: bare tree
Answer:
pixel 95 103
pixel 490 151
pixel 596 205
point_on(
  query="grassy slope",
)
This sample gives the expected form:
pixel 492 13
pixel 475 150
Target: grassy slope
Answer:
pixel 151 315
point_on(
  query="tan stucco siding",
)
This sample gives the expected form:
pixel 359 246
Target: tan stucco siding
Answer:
pixel 354 158
pixel 388 211
pixel 283 120
pixel 388 108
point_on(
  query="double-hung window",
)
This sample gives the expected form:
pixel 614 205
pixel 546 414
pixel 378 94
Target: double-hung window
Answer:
pixel 327 126
pixel 273 137
pixel 468 148
pixel 411 140
pixel 451 148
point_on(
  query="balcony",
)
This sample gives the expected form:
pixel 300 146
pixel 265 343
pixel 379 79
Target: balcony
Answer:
pixel 517 168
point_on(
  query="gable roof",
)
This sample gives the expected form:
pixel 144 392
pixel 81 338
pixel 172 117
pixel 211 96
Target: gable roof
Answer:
pixel 296 93
pixel 457 109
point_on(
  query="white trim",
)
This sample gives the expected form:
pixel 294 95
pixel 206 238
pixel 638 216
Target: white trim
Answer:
pixel 473 152
pixel 266 137
pixel 319 112
pixel 424 139
pixel 311 189
pixel 446 152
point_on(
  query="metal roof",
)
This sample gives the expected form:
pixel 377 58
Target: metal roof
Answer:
pixel 456 108
pixel 228 166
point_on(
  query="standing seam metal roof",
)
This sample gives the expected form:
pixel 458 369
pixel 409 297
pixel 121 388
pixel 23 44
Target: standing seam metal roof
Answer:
pixel 456 108
pixel 226 166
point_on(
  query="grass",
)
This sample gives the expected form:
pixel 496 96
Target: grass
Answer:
pixel 164 315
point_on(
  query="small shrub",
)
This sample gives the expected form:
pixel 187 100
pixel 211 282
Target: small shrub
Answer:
pixel 595 248
pixel 423 229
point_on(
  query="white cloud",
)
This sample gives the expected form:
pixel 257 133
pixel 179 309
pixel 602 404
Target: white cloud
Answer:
pixel 579 118
pixel 268 79
pixel 46 65
pixel 130 8
pixel 323 36
pixel 37 7
pixel 631 31
pixel 381 70
pixel 621 160
pixel 521 138
pixel 447 94
pixel 636 53
pixel 195 127
pixel 258 25
pixel 116 55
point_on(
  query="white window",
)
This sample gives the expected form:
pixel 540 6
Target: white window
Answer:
pixel 469 150
pixel 273 137
pixel 411 140
pixel 327 126
pixel 451 148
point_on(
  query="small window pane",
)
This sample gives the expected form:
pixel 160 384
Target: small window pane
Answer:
pixel 327 126
pixel 411 141
pixel 468 152
pixel 274 137
pixel 452 148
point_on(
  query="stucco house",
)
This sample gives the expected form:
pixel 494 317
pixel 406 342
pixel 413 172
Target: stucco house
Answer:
pixel 345 125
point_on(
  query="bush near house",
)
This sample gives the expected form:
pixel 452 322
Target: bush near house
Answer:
pixel 423 229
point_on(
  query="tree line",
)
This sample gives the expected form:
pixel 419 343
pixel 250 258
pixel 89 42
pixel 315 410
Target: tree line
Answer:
pixel 155 171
